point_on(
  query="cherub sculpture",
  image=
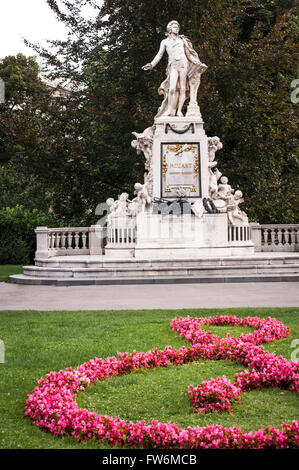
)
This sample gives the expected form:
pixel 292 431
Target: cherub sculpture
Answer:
pixel 224 190
pixel 142 196
pixel 234 213
pixel 118 208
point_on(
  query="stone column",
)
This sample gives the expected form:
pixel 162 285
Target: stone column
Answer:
pixel 96 239
pixel 42 242
pixel 256 236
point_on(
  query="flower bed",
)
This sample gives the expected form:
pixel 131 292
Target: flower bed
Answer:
pixel 213 395
pixel 53 408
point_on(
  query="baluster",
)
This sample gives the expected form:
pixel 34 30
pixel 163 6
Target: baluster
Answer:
pixel 83 240
pixel 275 239
pixel 70 240
pixel 270 239
pixel 266 236
pixel 287 239
pixel 58 237
pixel 54 240
pixel 50 240
pixel 280 235
pixel 76 240
pixel 293 239
pixel 63 238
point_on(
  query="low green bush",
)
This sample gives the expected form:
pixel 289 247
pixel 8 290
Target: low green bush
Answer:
pixel 17 236
pixel 14 251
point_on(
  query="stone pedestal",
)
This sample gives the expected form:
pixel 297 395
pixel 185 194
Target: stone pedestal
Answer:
pixel 96 236
pixel 256 235
pixel 180 220
pixel 121 238
pixel 186 236
pixel 180 158
pixel 42 242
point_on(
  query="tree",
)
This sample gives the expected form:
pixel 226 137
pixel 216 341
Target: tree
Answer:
pixel 250 47
pixel 26 98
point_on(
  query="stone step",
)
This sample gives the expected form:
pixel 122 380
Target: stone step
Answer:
pixel 71 281
pixel 142 271
pixel 102 262
pixel 86 269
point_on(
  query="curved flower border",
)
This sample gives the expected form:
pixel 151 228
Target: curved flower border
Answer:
pixel 53 408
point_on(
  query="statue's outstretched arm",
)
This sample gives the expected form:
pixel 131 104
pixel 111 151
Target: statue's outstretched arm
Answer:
pixel 156 59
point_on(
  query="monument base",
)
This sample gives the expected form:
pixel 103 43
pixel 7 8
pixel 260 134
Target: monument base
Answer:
pixel 119 253
pixel 191 253
pixel 183 236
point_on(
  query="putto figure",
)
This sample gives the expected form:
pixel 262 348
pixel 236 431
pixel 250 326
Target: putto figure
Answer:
pixel 183 72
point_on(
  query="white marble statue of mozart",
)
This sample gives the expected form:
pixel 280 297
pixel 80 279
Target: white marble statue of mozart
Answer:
pixel 182 74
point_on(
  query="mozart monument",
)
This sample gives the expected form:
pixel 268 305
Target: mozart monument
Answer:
pixel 185 207
pixel 184 221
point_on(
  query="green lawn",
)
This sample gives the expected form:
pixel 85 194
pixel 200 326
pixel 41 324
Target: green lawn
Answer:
pixel 38 342
pixel 8 269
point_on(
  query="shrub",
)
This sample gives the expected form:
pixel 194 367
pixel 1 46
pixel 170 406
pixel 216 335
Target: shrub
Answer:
pixel 14 252
pixel 17 235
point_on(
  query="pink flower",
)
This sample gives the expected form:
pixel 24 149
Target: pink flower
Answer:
pixel 53 408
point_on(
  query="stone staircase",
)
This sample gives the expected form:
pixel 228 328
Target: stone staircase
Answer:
pixel 101 270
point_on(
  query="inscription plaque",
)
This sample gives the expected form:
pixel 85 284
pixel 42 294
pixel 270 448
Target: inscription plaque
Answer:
pixel 180 170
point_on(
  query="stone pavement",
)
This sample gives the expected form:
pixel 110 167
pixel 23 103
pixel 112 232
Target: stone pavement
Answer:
pixel 149 296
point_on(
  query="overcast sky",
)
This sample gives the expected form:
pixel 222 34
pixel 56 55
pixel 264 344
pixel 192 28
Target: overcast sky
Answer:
pixel 32 19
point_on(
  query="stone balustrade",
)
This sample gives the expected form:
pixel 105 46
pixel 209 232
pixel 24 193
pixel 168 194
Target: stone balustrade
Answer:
pixel 74 239
pixel 121 237
pixel 69 241
pixel 275 237
pixel 91 240
pixel 239 234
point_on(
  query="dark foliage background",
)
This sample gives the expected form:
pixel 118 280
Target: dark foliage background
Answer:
pixel 66 155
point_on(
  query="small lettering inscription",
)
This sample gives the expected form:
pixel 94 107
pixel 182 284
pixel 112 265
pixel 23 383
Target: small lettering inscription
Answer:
pixel 180 170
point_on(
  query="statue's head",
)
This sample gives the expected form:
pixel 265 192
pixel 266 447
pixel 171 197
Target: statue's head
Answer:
pixel 110 201
pixel 173 26
pixel 123 197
